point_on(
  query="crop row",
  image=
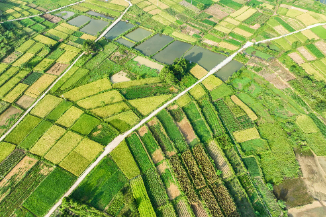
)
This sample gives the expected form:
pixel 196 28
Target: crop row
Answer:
pixel 315 50
pixel 155 187
pixel 183 179
pixel 245 122
pixel 225 200
pixel 145 91
pixel 205 164
pixel 160 136
pixel 193 169
pixel 320 125
pixel 172 130
pixel 284 24
pixel 212 117
pixel 10 162
pixel 167 210
pixel 139 153
pixel 22 190
pixel 227 116
pixel 149 141
pixel 253 194
pixel 208 197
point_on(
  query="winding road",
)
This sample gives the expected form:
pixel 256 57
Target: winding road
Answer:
pixel 22 18
pixel 112 145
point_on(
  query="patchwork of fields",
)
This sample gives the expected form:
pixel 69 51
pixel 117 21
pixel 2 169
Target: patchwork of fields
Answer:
pixel 217 151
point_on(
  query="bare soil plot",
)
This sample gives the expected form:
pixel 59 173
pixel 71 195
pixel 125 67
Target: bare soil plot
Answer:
pixel 296 58
pixel 322 162
pixel 321 45
pixel 157 156
pixel 256 26
pixel 217 11
pixel 189 6
pixel 305 53
pixel 313 176
pixel 294 192
pixel 209 42
pixel 52 18
pixel 143 61
pixel 199 210
pixel 41 9
pixel 117 56
pixel 57 68
pixel 25 101
pixel 119 77
pixel 189 30
pixel 283 72
pixel 316 209
pixel 173 191
pixel 10 114
pixel 187 130
pixel 11 58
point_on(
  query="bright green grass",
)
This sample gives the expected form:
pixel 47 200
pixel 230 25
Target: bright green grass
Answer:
pixel 85 124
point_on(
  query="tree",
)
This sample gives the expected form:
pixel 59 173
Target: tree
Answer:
pixel 89 46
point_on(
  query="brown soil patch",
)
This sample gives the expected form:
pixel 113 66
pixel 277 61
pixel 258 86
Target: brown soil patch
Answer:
pixel 152 122
pixel 119 77
pixel 157 156
pixel 173 89
pixel 321 45
pixel 57 68
pixel 182 209
pixel 173 191
pixel 6 116
pixel 273 79
pixel 12 57
pixel 322 162
pixel 217 11
pixel 316 209
pixel 296 58
pixel 312 176
pixel 52 18
pixel 96 133
pixel 126 55
pixel 41 9
pixel 162 167
pixel 142 131
pixel 170 153
pixel 173 107
pixel 282 71
pixel 305 53
pixel 100 126
pixel 199 210
pixel 209 42
pixel 189 6
pixel 294 192
pixel 46 170
pixel 189 30
pixel 256 26
pixel 25 101
pixel 187 130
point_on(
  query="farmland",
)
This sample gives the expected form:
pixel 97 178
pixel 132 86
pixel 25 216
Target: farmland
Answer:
pixel 216 151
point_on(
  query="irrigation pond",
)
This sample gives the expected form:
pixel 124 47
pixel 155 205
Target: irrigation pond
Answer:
pixel 118 29
pixel 65 14
pixel 174 50
pixel 125 42
pixel 79 21
pixel 138 35
pixel 94 27
pixel 154 44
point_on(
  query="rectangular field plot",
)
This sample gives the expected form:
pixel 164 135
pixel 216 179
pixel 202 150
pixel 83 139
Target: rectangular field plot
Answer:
pixel 46 105
pixel 5 150
pixel 138 35
pixel 110 110
pixel 101 99
pixel 154 44
pixel 85 124
pixel 23 129
pixel 88 89
pixel 148 104
pixel 62 148
pixel 79 21
pixel 69 117
pixel 101 185
pixel 118 29
pixel 49 191
pixel 56 113
pixel 94 27
pixel 48 139
pixel 40 85
pixel 175 50
pixel 125 161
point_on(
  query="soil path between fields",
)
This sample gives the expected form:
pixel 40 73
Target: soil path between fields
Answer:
pixel 22 18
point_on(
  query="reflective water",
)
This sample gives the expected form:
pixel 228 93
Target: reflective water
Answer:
pixel 138 34
pixel 65 14
pixel 79 21
pixel 94 27
pixel 118 29
pixel 125 42
pixel 93 13
pixel 208 60
pixel 154 44
pixel 175 50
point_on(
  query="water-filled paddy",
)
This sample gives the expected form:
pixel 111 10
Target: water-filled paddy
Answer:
pixel 118 29
pixel 79 21
pixel 125 42
pixel 65 14
pixel 208 60
pixel 175 50
pixel 94 27
pixel 154 44
pixel 93 13
pixel 138 34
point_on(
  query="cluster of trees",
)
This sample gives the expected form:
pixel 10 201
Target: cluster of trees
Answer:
pixel 172 74
pixel 69 207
